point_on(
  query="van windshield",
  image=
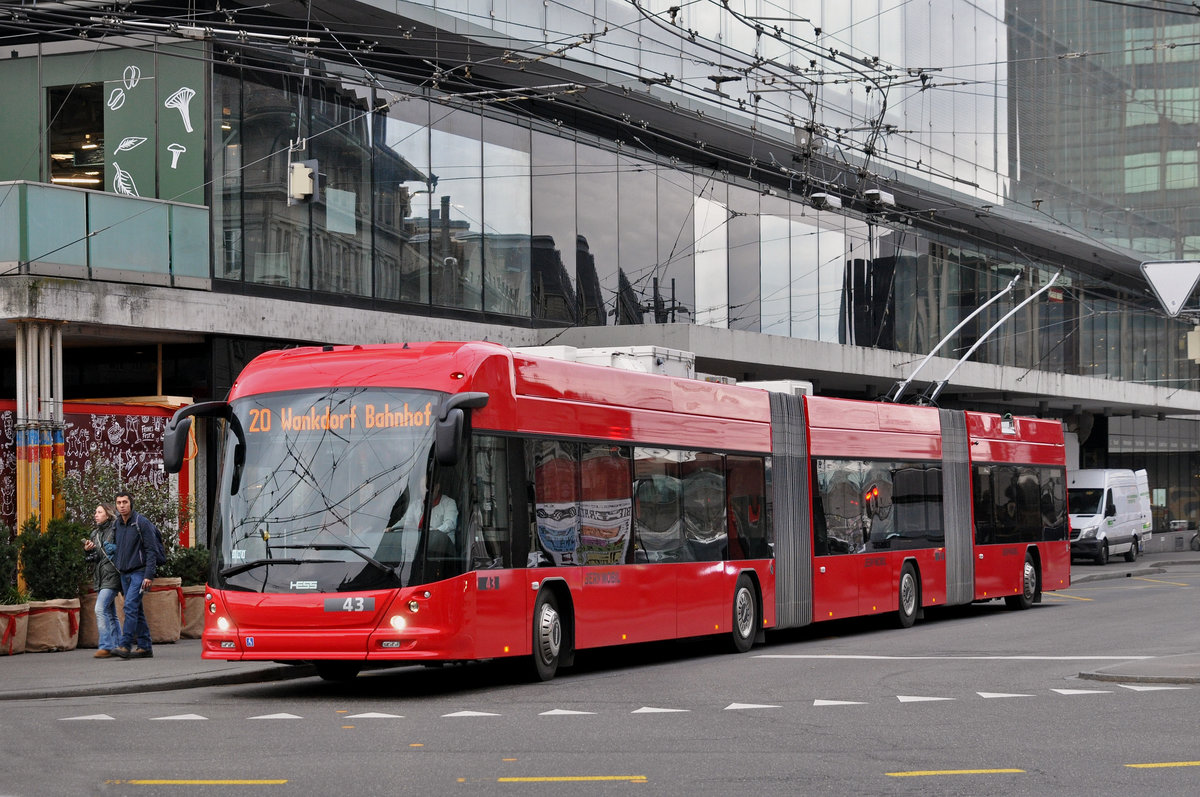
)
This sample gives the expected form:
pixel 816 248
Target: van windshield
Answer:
pixel 1086 500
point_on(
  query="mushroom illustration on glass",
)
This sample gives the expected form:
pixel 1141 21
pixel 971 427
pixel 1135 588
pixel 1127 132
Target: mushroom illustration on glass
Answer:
pixel 180 101
pixel 176 150
pixel 131 77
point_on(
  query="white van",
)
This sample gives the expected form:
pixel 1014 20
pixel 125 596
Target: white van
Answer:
pixel 1109 513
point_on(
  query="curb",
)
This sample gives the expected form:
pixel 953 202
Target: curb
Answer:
pixel 266 675
pixel 1140 679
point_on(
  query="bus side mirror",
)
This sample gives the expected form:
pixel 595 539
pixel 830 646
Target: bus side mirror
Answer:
pixel 175 438
pixel 450 426
pixel 175 441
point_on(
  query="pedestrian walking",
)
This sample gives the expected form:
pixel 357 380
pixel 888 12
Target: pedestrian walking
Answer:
pixel 137 560
pixel 100 548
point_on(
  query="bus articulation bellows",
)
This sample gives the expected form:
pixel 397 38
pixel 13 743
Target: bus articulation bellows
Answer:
pixel 464 501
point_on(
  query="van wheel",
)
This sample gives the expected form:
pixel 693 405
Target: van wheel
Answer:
pixel 547 636
pixel 906 613
pixel 1195 542
pixel 1102 554
pixel 745 615
pixel 1131 554
pixel 1029 587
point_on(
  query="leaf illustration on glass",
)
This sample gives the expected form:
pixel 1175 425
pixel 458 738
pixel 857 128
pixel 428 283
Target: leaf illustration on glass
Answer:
pixel 129 143
pixel 131 77
pixel 123 181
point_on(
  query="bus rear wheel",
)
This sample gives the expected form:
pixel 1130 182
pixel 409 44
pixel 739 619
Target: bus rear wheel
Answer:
pixel 745 615
pixel 1029 587
pixel 906 613
pixel 547 636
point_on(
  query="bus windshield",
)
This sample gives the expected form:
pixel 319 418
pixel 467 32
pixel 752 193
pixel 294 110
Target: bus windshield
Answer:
pixel 331 496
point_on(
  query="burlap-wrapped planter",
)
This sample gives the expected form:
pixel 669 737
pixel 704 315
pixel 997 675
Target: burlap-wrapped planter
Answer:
pixel 53 625
pixel 14 625
pixel 193 611
pixel 162 604
pixel 164 609
pixel 89 632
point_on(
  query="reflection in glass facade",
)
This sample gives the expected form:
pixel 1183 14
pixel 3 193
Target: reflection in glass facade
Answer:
pixel 423 203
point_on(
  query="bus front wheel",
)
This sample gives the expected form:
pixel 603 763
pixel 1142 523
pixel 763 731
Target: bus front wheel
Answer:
pixel 547 636
pixel 745 615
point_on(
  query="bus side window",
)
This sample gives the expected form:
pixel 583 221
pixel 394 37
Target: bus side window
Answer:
pixel 553 479
pixel 489 522
pixel 747 516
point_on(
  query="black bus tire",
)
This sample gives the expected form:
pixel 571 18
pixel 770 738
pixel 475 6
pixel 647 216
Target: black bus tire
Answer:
pixel 745 615
pixel 1029 587
pixel 547 636
pixel 909 597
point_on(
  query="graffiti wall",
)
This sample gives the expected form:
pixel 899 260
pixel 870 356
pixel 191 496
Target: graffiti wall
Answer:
pixel 127 436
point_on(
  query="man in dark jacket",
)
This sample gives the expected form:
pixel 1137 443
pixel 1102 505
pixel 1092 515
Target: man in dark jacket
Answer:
pixel 136 539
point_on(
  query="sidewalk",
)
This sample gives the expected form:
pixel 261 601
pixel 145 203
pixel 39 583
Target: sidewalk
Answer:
pixel 75 673
pixel 1181 669
pixel 178 665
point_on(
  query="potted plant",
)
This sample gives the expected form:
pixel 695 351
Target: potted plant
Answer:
pixel 190 566
pixel 14 607
pixel 54 569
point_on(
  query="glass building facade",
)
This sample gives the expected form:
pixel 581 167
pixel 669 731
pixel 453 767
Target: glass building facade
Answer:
pixel 611 164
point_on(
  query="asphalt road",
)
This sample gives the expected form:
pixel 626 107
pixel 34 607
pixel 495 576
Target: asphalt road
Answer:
pixel 974 700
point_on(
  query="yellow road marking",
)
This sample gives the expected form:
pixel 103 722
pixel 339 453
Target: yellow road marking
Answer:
pixel 278 782
pixel 1157 581
pixel 575 779
pixel 1065 595
pixel 1165 764
pixel 921 773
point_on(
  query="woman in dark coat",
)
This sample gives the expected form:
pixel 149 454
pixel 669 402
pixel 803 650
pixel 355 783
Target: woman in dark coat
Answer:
pixel 101 547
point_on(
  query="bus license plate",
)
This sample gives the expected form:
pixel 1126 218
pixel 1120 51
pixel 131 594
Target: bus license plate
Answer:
pixel 349 604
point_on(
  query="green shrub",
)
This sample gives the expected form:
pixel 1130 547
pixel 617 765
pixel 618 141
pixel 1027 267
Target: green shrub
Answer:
pixel 190 565
pixel 52 562
pixel 9 557
pixel 99 483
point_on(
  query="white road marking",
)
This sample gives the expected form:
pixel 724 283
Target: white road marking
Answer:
pixel 652 710
pixel 835 656
pixel 562 712
pixel 920 699
pixel 280 716
pixel 181 717
pixel 471 714
pixel 838 703
pixel 1082 691
pixel 989 695
pixel 88 717
pixel 741 706
pixel 1143 688
pixel 375 715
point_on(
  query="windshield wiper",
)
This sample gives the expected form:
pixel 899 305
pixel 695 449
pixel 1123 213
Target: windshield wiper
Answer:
pixel 243 567
pixel 341 546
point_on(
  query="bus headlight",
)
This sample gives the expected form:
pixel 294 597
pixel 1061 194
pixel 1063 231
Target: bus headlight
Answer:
pixel 414 607
pixel 398 622
pixel 223 624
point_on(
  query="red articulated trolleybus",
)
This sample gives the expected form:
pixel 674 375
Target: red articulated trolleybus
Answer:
pixel 463 501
